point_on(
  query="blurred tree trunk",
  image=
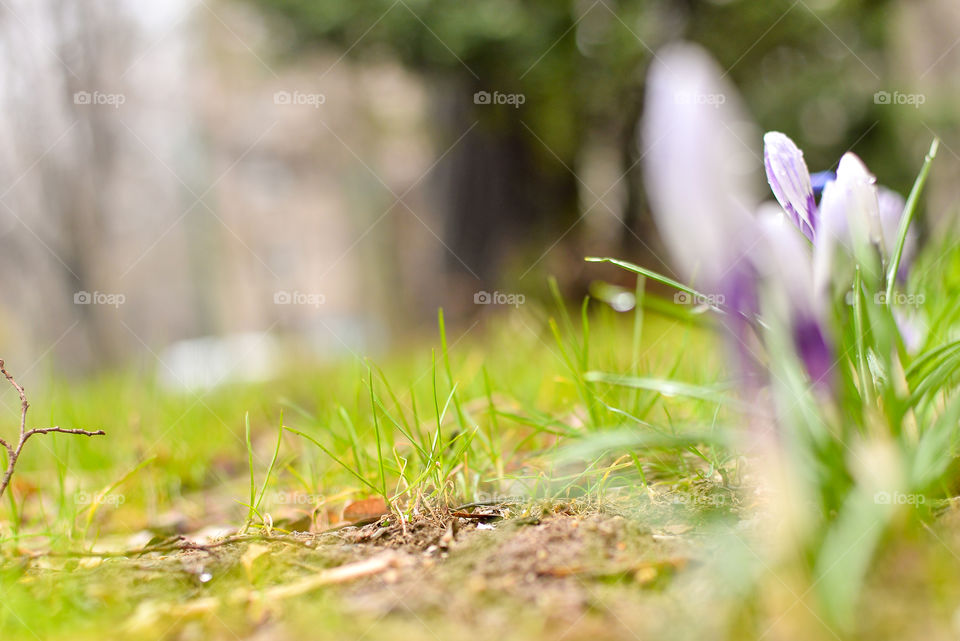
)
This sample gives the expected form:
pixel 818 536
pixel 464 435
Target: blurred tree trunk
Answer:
pixel 501 188
pixel 63 197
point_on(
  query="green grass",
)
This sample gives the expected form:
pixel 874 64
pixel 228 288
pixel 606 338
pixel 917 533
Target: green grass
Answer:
pixel 478 414
pixel 629 413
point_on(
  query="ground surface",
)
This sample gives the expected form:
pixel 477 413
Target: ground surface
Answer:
pixel 552 570
pixel 570 570
pixel 538 505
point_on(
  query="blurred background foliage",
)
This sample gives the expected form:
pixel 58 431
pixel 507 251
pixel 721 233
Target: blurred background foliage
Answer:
pixel 807 68
pixel 201 197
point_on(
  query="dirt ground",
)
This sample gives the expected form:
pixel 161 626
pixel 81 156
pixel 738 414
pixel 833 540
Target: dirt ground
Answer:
pixel 554 570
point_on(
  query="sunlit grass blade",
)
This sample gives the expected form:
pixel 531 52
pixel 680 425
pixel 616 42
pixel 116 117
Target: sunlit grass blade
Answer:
pixel 660 278
pixel 423 454
pixel 376 430
pixel 845 555
pixel 942 371
pixel 936 448
pixel 541 423
pixel 909 209
pixel 97 500
pixel 253 485
pixel 867 392
pixel 639 299
pixel 461 419
pixel 665 387
pixel 493 427
pixel 335 458
pixel 273 462
pixel 928 360
pixel 564 315
pixel 355 448
pixel 572 363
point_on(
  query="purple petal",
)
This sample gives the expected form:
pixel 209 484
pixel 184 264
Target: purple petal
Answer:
pixel 814 350
pixel 786 265
pixel 740 299
pixel 789 179
pixel 820 179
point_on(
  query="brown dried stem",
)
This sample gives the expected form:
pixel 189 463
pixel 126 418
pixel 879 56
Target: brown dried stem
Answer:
pixel 13 453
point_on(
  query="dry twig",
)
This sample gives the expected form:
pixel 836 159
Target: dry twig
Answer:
pixel 13 453
pixel 150 613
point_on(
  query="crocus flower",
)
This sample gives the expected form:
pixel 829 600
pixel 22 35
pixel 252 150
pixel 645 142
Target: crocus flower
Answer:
pixel 789 179
pixel 860 212
pixel 699 176
pixel 705 207
pixel 792 294
pixel 820 179
pixel 699 171
pixel 850 223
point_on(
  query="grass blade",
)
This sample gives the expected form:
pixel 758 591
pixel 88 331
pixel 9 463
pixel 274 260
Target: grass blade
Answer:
pixel 665 387
pixel 273 462
pixel 909 209
pixel 349 469
pixel 376 428
pixel 660 278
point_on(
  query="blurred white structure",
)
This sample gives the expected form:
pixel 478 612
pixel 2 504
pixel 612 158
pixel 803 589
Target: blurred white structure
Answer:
pixel 165 155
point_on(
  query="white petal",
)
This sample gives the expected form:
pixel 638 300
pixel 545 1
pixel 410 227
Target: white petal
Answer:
pixel 860 192
pixel 700 173
pixel 784 259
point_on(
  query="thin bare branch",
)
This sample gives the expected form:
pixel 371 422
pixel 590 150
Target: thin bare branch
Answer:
pixel 13 453
pixel 62 430
pixel 24 405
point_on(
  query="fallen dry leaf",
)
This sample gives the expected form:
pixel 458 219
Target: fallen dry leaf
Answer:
pixel 366 509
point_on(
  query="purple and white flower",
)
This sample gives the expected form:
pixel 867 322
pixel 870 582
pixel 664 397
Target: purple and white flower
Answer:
pixel 790 181
pixel 706 209
pixel 854 213
pixel 700 173
pixel 724 241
